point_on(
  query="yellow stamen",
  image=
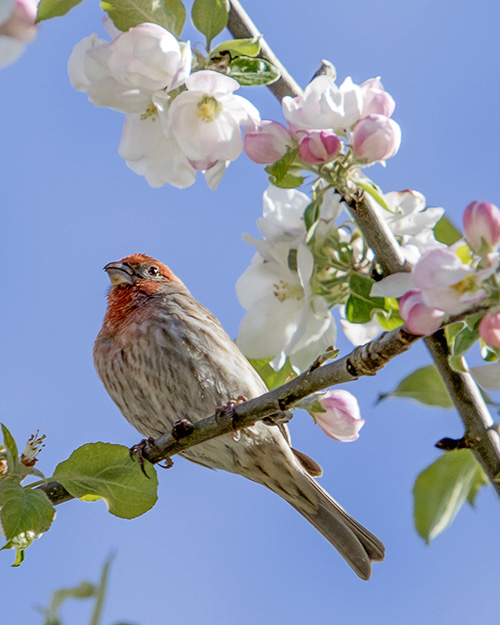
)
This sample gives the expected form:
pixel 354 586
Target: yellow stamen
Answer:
pixel 208 107
pixel 151 111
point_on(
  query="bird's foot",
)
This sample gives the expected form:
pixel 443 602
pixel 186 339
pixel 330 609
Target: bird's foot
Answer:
pixel 228 411
pixel 139 450
pixel 182 428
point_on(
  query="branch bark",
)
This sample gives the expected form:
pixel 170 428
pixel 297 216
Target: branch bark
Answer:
pixel 364 360
pixel 464 392
pixel 368 359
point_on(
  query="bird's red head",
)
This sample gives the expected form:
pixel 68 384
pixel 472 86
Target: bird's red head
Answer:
pixel 133 279
pixel 139 272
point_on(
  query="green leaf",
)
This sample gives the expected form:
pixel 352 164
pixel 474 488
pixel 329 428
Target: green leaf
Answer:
pixel 272 378
pixel 13 463
pixel 104 471
pixel 312 213
pixel 464 340
pixel 128 13
pixel 442 488
pixel 25 514
pixel 425 386
pixel 210 17
pixel 54 8
pixel 238 47
pixel 446 232
pixel 252 72
pixel 280 172
pixel 178 12
pixel 360 306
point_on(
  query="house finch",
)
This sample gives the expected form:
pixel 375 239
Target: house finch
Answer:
pixel 161 356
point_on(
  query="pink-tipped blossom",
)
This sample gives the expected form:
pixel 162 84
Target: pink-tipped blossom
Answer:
pixel 376 101
pixel 448 284
pixel 376 138
pixel 482 223
pixel 489 329
pixel 17 28
pixel 267 143
pixel 419 318
pixel 341 417
pixel 318 147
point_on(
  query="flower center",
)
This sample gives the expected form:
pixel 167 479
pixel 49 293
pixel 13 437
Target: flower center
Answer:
pixel 151 111
pixel 467 284
pixel 208 107
pixel 283 291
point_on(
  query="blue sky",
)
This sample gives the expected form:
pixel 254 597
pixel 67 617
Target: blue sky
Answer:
pixel 216 549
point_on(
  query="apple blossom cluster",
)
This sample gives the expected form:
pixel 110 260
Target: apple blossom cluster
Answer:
pixel 285 316
pixel 177 122
pixel 450 280
pixel 17 28
pixel 325 116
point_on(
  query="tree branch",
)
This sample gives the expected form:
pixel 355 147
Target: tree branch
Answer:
pixel 368 359
pixel 468 401
pixel 363 360
pixel 481 438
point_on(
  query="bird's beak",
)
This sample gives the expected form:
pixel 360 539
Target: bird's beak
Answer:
pixel 120 273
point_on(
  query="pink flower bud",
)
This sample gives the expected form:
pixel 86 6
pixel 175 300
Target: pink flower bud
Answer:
pixel 268 143
pixel 376 138
pixel 341 418
pixel 482 222
pixel 375 99
pixel 320 146
pixel 21 23
pixel 420 319
pixel 489 329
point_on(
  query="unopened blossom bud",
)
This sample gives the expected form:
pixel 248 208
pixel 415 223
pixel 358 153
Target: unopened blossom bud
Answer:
pixel 21 23
pixel 482 223
pixel 376 138
pixel 341 419
pixel 319 147
pixel 489 329
pixel 419 318
pixel 267 143
pixel 17 28
pixel 376 101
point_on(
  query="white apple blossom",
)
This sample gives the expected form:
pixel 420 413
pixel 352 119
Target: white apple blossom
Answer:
pixel 410 221
pixel 283 317
pixel 323 105
pixel 206 119
pixel 17 28
pixel 123 74
pixel 150 150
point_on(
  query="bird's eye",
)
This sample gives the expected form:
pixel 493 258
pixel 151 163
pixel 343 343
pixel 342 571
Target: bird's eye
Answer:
pixel 154 271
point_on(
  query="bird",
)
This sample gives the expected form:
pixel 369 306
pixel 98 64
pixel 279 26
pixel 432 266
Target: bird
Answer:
pixel 162 356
